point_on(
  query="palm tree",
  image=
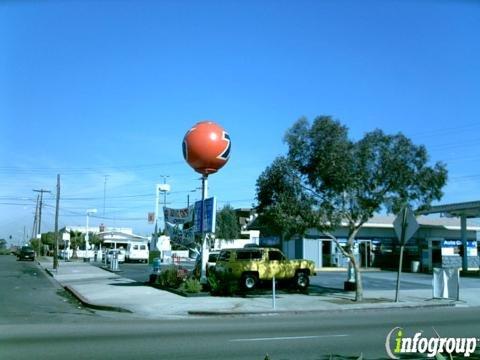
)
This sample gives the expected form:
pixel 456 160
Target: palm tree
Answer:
pixel 76 239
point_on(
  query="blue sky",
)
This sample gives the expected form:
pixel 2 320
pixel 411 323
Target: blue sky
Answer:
pixel 95 88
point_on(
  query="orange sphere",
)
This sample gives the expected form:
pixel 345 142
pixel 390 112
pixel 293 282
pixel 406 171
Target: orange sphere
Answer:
pixel 206 147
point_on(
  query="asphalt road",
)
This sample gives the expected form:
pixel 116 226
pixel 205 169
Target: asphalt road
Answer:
pixel 308 336
pixel 38 321
pixel 29 295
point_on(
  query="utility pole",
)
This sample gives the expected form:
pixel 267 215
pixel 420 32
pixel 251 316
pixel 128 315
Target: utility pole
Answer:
pixel 159 187
pixel 34 228
pixel 165 188
pixel 41 191
pixel 55 248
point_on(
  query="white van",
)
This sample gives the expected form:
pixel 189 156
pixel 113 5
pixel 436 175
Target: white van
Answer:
pixel 137 252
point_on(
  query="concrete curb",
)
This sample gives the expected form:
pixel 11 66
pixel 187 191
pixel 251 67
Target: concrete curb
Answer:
pixel 283 312
pixel 86 303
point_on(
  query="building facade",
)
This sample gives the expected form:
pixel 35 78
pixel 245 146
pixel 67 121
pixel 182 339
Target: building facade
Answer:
pixel 437 243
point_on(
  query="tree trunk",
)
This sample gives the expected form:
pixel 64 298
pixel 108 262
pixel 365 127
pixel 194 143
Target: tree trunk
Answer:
pixel 350 254
pixel 356 266
pixel 358 279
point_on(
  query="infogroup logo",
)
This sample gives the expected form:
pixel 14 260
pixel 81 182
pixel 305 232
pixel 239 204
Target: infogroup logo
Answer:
pixel 429 345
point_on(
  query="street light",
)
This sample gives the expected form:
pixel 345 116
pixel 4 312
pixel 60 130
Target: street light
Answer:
pixel 188 196
pixel 89 212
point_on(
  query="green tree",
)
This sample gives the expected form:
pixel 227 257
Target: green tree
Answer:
pixel 227 225
pixel 326 180
pixel 95 240
pixel 76 239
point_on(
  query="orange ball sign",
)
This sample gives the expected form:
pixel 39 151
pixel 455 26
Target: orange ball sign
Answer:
pixel 206 147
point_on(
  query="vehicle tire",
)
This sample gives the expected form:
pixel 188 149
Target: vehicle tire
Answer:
pixel 302 281
pixel 249 281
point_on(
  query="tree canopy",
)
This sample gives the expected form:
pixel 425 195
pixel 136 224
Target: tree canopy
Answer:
pixel 327 179
pixel 227 226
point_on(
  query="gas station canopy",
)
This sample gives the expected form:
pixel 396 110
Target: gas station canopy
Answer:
pixel 464 211
pixel 469 209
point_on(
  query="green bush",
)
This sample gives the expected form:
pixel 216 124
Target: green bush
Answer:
pixel 222 284
pixel 172 276
pixel 192 286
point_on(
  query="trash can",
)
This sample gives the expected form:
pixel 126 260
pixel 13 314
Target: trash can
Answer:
pixel 156 265
pixel 415 266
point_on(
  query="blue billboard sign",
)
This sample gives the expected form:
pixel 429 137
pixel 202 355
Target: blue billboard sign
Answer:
pixel 209 215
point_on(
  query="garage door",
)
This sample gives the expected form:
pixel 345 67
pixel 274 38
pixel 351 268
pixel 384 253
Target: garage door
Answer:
pixel 312 250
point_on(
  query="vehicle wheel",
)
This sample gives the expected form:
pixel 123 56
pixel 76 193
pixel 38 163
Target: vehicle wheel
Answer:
pixel 302 281
pixel 249 281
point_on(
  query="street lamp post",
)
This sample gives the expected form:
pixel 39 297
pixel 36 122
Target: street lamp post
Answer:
pixel 89 212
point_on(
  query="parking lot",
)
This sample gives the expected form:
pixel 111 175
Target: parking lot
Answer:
pixel 372 279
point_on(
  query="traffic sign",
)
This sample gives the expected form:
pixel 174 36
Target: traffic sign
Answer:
pixel 407 220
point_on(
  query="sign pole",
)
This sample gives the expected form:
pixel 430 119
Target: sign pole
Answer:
pixel 402 246
pixel 203 277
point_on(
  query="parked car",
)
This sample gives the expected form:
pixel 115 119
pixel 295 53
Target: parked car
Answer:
pixel 120 252
pixel 252 265
pixel 26 253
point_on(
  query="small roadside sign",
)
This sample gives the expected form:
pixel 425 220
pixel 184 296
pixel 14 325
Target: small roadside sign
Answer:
pixel 405 225
pixel 151 217
pixel 406 219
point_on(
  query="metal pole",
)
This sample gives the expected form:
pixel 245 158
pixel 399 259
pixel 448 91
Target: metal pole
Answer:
pixel 86 238
pixel 366 254
pixel 463 230
pixel 55 249
pixel 203 277
pixel 402 246
pixel 157 195
pixel 274 301
pixel 154 242
pixel 164 203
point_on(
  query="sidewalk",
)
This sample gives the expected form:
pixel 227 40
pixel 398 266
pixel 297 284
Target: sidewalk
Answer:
pixel 102 289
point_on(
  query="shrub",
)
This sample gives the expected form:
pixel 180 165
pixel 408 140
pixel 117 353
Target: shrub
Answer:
pixel 191 286
pixel 222 284
pixel 172 276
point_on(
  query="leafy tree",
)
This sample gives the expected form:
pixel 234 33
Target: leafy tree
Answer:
pixel 94 239
pixel 227 224
pixel 327 180
pixel 48 238
pixel 3 244
pixel 76 240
